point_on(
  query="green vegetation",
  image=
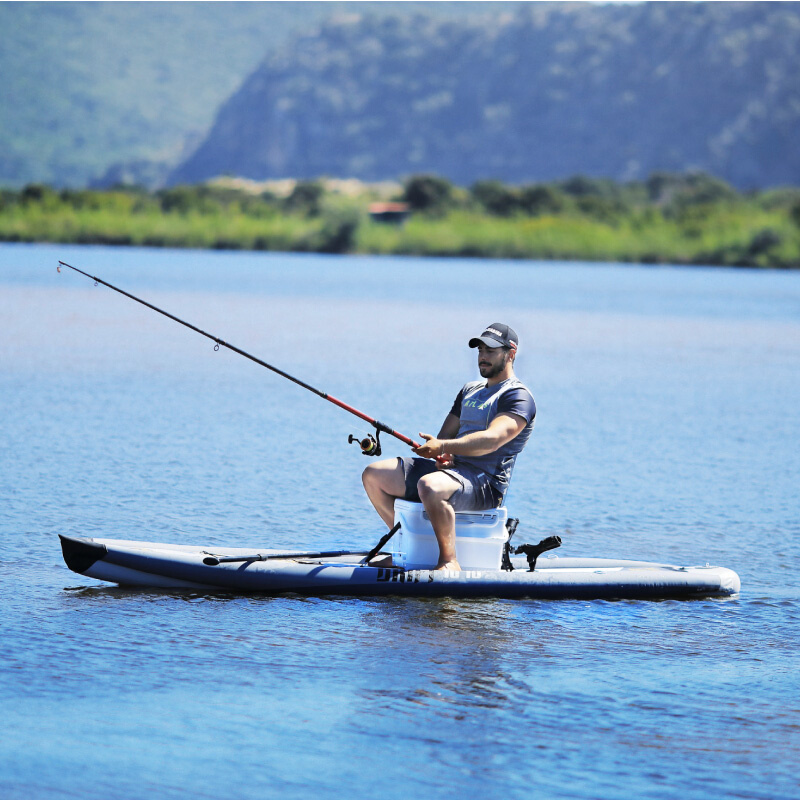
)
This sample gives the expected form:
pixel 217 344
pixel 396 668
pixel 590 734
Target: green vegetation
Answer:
pixel 690 219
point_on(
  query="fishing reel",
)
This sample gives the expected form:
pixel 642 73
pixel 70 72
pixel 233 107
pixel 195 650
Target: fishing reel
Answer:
pixel 370 445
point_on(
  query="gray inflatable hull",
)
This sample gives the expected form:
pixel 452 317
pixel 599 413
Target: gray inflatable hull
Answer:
pixel 168 566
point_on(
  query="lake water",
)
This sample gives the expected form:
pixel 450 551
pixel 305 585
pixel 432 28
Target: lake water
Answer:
pixel 668 430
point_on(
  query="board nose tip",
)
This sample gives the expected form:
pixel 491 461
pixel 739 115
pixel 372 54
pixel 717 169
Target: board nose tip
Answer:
pixel 80 554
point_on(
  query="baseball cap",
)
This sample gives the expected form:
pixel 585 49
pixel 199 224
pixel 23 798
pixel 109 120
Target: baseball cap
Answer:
pixel 496 335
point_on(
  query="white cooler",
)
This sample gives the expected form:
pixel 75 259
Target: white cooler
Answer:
pixel 480 536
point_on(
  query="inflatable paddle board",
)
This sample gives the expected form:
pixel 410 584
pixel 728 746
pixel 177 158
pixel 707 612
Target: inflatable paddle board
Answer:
pixel 204 569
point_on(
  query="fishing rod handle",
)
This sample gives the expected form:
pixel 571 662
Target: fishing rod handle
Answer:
pixel 378 425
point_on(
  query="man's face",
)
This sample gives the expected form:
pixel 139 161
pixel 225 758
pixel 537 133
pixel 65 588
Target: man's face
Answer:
pixel 492 360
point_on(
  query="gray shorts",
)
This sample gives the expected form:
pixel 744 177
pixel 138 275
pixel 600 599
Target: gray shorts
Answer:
pixel 474 492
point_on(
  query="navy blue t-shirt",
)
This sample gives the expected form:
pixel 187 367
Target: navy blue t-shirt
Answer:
pixel 476 405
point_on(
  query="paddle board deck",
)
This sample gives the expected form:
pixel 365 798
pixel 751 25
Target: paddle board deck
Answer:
pixel 168 566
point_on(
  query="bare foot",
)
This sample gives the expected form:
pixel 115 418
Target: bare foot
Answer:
pixel 453 565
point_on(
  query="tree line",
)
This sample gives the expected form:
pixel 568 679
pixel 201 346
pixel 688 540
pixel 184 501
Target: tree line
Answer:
pixel 690 218
pixel 673 195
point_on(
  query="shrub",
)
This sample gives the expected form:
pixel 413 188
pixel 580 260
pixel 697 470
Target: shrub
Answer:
pixel 794 213
pixel 763 241
pixel 496 198
pixel 39 194
pixel 338 233
pixel 539 200
pixel 428 193
pixel 8 199
pixel 306 198
pixel 581 186
pixel 185 199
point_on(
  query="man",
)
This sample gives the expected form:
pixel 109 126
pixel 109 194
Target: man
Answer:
pixel 487 427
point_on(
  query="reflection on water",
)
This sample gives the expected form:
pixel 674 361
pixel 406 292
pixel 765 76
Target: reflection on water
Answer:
pixel 667 430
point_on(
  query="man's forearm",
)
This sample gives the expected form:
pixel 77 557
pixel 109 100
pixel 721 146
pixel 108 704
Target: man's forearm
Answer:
pixel 478 443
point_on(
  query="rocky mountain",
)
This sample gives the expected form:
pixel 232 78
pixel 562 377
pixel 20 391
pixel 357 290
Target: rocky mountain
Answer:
pixel 128 90
pixel 532 94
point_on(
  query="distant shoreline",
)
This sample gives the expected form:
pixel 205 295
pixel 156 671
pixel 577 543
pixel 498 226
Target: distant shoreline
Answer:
pixel 760 230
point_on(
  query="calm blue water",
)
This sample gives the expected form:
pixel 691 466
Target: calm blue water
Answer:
pixel 668 430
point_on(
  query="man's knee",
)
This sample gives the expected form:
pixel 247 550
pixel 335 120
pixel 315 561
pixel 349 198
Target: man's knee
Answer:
pixel 369 475
pixel 435 487
pixel 384 475
pixel 373 477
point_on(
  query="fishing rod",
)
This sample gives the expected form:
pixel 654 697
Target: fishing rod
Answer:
pixel 370 445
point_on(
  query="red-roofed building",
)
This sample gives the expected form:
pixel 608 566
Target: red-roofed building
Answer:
pixel 394 213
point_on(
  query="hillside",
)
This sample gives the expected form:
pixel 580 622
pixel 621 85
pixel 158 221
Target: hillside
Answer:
pixel 87 86
pixel 549 90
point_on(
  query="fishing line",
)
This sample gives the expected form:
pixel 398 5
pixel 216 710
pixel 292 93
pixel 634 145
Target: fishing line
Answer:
pixel 370 445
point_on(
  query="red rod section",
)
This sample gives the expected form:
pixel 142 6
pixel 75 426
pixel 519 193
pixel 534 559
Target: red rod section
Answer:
pixel 379 425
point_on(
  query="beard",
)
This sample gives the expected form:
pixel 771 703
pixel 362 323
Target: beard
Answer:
pixel 492 370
